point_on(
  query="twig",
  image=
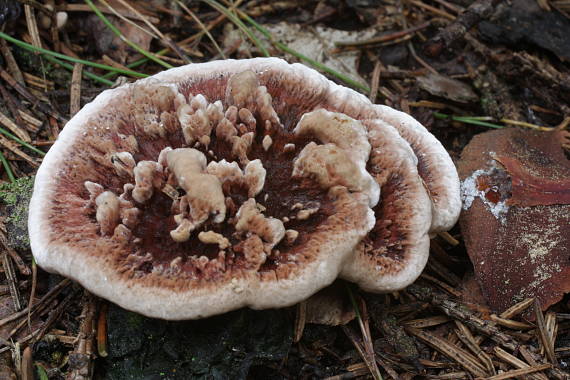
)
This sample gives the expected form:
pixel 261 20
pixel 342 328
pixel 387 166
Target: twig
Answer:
pixel 118 33
pixel 12 280
pixel 467 338
pixel 458 311
pixel 165 40
pixel 22 267
pixel 375 81
pixel 480 9
pixel 10 145
pixel 370 362
pixel 21 133
pixel 11 62
pixel 203 27
pixel 220 8
pixel 46 298
pixel 517 308
pixel 32 292
pixel 32 26
pixel 27 46
pixel 433 10
pixel 300 320
pixel 75 89
pixel 543 334
pixel 519 372
pixel 29 96
pixel 463 358
pixel 81 357
pixel 384 38
pixel 516 362
pixel 102 331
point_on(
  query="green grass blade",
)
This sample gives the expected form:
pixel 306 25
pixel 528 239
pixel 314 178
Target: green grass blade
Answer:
pixel 22 142
pixel 226 12
pixel 33 48
pixel 85 72
pixel 7 168
pixel 475 120
pixel 303 57
pixel 125 39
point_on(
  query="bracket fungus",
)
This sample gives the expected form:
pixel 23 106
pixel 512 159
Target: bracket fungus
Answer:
pixel 256 183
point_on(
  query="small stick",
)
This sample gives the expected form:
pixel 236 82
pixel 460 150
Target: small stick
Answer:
pixel 375 81
pixel 102 331
pixel 515 325
pixel 467 338
pixel 22 267
pixel 82 355
pixel 458 311
pixel 442 285
pixel 448 238
pixel 463 358
pixel 477 11
pixel 32 26
pixel 12 146
pixel 12 104
pixel 27 365
pixel 519 372
pixel 8 123
pixel 370 362
pixel 385 38
pixel 46 298
pixel 517 308
pixel 433 10
pixel 32 293
pixel 543 334
pixel 75 89
pixel 516 362
pixel 300 318
pixel 11 62
pixel 12 281
pixel 427 322
pixel 31 98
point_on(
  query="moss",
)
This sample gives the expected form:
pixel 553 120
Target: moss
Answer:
pixel 15 199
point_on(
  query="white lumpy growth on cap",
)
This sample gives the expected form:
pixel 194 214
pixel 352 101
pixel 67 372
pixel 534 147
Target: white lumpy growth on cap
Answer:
pixel 342 159
pixel 204 196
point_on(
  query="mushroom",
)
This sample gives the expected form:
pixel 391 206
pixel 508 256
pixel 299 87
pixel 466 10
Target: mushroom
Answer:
pixel 169 196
